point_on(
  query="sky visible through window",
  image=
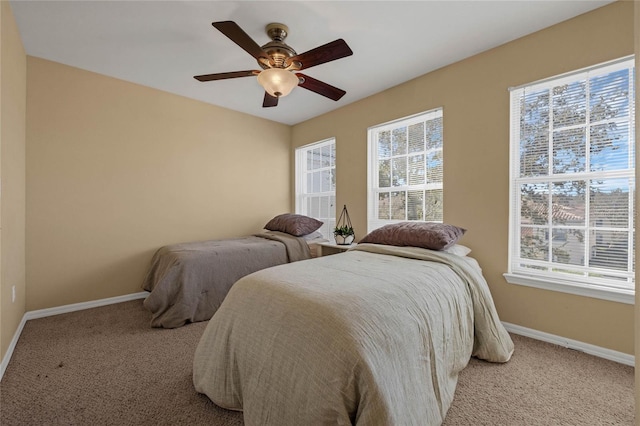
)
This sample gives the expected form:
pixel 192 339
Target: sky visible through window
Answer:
pixel 607 126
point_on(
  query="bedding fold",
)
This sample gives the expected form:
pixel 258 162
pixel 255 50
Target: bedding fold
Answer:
pixel 492 342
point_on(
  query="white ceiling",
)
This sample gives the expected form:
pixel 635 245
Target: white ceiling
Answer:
pixel 163 44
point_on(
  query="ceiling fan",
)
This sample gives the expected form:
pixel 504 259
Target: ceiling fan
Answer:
pixel 280 63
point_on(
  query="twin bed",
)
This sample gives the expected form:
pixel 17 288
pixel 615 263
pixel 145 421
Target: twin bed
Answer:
pixel 187 282
pixel 373 336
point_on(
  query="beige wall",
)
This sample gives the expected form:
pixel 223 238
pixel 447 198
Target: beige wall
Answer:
pixel 474 95
pixel 116 170
pixel 13 87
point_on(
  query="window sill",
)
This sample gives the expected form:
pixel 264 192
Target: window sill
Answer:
pixel 614 295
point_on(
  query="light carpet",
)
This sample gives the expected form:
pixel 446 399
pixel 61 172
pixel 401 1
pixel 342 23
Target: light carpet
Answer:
pixel 107 366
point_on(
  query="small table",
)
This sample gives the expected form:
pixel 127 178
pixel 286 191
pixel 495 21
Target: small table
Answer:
pixel 328 248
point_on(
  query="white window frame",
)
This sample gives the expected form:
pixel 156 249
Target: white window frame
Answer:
pixel 373 186
pixel 326 214
pixel 549 279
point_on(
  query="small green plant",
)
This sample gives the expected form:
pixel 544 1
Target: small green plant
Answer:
pixel 343 231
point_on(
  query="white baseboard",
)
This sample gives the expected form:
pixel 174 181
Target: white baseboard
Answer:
pixel 590 349
pixel 41 313
pixel 12 346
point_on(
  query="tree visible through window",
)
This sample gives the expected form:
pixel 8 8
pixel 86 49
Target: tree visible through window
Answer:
pixel 405 170
pixel 573 176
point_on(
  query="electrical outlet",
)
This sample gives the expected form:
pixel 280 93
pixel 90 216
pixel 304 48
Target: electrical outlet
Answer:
pixel 13 294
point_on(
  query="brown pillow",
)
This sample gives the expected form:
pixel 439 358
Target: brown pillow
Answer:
pixel 430 235
pixel 294 224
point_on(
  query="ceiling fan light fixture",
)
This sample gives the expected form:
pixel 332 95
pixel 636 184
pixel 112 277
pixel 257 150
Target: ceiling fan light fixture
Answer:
pixel 277 82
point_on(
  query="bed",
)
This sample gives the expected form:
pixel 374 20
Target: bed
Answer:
pixel 187 282
pixel 374 336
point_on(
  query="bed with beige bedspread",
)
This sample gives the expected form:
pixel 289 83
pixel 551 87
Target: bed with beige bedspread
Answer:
pixel 373 336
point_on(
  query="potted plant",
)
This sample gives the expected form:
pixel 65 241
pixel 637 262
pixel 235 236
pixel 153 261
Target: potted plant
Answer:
pixel 344 235
pixel 343 232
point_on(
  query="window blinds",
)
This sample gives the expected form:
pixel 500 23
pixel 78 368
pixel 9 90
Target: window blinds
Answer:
pixel 573 176
pixel 405 170
pixel 316 183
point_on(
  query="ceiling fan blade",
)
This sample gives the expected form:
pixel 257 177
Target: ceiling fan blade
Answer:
pixel 269 101
pixel 328 52
pixel 320 87
pixel 224 75
pixel 242 39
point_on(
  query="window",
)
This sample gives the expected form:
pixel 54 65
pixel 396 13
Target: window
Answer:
pixel 405 170
pixel 316 183
pixel 572 182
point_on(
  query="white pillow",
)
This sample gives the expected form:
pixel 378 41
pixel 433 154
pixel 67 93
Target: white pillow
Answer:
pixel 315 235
pixel 458 249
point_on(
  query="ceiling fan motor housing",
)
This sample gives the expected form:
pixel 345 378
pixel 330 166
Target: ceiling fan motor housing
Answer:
pixel 277 49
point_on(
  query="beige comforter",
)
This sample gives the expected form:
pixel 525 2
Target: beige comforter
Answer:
pixel 373 336
pixel 188 281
